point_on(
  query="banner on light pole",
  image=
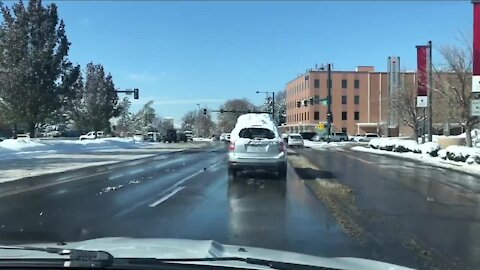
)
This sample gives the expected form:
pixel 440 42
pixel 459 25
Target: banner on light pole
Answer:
pixel 423 65
pixel 476 47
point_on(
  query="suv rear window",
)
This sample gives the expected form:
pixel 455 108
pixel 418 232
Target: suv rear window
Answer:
pixel 372 135
pixel 251 133
pixel 296 137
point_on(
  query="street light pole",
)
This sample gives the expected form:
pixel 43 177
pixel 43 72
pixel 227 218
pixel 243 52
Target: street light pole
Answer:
pixel 430 97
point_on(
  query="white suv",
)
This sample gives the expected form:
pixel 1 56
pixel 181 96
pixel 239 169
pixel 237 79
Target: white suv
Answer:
pixel 255 143
pixel 91 135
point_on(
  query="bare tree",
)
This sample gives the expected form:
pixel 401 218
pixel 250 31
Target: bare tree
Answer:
pixel 404 103
pixel 456 88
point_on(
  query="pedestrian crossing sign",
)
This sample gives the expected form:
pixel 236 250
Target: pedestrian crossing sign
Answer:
pixel 321 126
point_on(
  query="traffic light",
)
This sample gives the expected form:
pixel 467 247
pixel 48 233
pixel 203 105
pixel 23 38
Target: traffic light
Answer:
pixel 135 93
pixel 221 110
pixel 205 111
pixel 329 117
pixel 311 101
pixel 305 102
pixel 299 104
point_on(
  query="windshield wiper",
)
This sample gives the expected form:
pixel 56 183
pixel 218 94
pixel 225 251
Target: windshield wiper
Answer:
pixel 101 259
pixel 76 257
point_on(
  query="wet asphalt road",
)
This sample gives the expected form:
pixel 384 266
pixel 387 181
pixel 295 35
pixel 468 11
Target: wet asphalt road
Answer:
pixel 401 201
pixel 181 195
pixel 189 195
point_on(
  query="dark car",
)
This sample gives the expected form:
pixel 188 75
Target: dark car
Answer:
pixel 308 135
pixel 170 136
pixel 182 137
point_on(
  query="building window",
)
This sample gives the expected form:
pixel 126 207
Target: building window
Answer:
pixel 316 83
pixel 316 115
pixel 344 99
pixel 344 130
pixel 356 100
pixel 344 84
pixel 356 116
pixel 356 84
pixel 344 115
pixel 308 116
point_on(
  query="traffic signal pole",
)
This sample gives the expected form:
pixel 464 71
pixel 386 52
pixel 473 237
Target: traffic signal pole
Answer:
pixel 329 110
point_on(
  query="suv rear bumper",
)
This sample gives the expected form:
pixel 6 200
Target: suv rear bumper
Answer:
pixel 252 163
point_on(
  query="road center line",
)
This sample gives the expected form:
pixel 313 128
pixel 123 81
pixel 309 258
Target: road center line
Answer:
pixel 167 196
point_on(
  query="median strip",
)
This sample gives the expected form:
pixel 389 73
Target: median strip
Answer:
pixel 338 198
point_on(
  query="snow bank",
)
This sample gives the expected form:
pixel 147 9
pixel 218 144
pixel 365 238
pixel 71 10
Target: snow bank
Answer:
pixel 324 145
pixel 397 145
pixel 430 148
pixel 463 153
pixel 428 159
pixel 27 147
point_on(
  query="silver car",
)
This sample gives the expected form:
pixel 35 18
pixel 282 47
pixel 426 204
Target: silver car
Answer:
pixel 295 140
pixel 257 147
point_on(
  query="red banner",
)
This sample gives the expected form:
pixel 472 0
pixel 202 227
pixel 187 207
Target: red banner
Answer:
pixel 423 62
pixel 476 38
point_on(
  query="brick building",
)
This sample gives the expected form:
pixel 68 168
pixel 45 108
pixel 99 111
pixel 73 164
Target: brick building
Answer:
pixel 360 102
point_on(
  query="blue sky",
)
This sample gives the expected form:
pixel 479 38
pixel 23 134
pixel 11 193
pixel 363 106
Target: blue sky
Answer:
pixel 183 53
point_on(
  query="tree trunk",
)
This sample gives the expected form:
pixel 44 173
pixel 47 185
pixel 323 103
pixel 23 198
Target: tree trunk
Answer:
pixel 31 129
pixel 468 133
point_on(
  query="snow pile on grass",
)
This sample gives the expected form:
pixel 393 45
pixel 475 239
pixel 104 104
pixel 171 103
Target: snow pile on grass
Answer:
pixel 463 154
pixel 431 148
pixel 19 144
pixel 403 146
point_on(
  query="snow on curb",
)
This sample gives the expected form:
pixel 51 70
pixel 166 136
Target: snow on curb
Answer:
pixel 324 145
pixel 426 158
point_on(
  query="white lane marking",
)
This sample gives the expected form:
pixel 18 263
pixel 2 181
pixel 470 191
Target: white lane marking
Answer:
pixel 175 188
pixel 167 196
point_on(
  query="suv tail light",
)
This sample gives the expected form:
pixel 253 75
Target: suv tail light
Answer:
pixel 282 146
pixel 231 146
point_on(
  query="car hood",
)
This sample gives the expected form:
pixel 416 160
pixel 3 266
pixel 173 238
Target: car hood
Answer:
pixel 182 248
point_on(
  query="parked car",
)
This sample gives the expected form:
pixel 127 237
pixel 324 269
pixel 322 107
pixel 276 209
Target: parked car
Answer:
pixel 308 135
pixel 334 137
pixel 23 136
pixel 138 137
pixel 295 140
pixel 181 137
pixel 366 137
pixel 256 143
pixel 91 135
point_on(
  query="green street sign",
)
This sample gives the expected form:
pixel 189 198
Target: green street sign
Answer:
pixel 325 102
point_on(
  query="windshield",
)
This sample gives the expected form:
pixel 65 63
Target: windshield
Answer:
pixel 234 122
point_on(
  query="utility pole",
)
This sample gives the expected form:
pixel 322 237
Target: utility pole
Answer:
pixel 329 110
pixel 430 92
pixel 197 121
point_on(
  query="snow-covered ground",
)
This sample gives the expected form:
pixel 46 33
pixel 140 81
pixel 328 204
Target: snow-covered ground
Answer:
pixel 32 157
pixel 202 139
pixel 325 145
